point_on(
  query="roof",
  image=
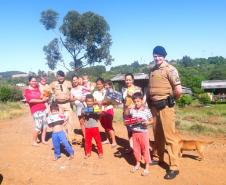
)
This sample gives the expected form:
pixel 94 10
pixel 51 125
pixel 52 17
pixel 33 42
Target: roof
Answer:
pixel 214 84
pixel 186 90
pixel 137 76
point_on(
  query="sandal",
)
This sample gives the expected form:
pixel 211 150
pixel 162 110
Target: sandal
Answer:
pixel 145 173
pixel 113 145
pixel 87 156
pixel 105 142
pixel 134 169
pixel 100 156
pixel 35 144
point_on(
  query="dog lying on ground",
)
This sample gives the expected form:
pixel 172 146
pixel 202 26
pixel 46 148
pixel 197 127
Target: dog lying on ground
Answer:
pixel 189 145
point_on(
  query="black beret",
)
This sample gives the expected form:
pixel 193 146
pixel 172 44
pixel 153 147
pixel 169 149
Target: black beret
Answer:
pixel 159 50
pixel 60 73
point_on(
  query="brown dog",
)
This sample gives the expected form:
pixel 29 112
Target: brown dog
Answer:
pixel 189 145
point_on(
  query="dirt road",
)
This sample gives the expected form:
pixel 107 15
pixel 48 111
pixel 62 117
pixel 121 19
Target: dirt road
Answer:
pixel 22 164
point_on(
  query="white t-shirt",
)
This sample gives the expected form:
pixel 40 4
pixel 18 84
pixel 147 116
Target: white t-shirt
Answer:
pixel 99 97
pixel 77 93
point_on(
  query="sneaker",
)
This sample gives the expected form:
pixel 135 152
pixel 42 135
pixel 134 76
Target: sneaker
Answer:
pixel 145 173
pixel 56 158
pixel 134 169
pixel 171 174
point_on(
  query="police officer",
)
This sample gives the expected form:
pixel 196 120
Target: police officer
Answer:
pixel 164 88
pixel 62 91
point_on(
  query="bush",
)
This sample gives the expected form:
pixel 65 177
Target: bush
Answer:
pixel 204 99
pixel 17 94
pixel 9 93
pixel 184 100
pixel 5 93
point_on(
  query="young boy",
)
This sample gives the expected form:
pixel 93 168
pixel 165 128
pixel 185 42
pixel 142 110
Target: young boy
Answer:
pixel 91 127
pixel 140 136
pixel 56 121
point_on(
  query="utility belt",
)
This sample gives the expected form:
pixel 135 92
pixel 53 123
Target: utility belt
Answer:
pixel 161 104
pixel 62 101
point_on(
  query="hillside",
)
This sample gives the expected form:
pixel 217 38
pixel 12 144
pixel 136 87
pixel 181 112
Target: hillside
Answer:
pixel 9 74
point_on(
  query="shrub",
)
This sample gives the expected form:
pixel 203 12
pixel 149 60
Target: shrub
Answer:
pixel 5 93
pixel 184 100
pixel 16 94
pixel 204 99
pixel 9 93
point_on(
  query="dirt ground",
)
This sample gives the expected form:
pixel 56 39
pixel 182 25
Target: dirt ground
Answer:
pixel 23 164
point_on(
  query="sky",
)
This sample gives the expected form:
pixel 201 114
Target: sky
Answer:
pixel 195 28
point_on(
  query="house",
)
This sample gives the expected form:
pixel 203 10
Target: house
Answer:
pixel 141 80
pixel 215 88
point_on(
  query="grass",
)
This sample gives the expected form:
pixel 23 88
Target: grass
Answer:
pixel 196 119
pixel 206 120
pixel 11 110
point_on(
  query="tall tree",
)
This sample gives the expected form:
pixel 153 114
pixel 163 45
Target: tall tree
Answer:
pixel 85 37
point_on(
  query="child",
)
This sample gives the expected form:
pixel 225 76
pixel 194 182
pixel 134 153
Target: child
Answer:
pixel 56 121
pixel 91 127
pixel 86 85
pixel 140 133
pixel 45 92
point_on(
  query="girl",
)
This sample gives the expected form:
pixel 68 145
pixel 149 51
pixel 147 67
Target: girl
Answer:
pixel 78 97
pixel 106 118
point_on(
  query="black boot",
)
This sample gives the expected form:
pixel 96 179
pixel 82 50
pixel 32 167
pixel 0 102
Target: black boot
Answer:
pixel 171 174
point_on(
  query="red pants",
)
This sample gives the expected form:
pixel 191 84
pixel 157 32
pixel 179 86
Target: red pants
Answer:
pixel 107 119
pixel 91 133
pixel 141 146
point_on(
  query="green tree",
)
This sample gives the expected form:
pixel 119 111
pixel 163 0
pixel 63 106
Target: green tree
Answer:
pixel 85 37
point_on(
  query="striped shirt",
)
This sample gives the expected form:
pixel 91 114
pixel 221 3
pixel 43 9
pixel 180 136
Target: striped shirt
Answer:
pixel 144 114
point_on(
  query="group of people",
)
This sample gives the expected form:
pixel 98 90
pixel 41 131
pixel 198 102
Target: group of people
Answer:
pixel 154 109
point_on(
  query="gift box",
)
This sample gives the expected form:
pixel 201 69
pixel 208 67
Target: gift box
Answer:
pixel 92 110
pixel 114 97
pixel 88 110
pixel 133 121
pixel 96 109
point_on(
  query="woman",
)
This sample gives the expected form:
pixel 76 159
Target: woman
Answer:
pixel 106 119
pixel 78 97
pixel 128 92
pixel 38 109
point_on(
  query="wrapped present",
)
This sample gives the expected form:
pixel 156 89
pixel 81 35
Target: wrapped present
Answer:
pixel 133 121
pixel 114 97
pixel 128 99
pixel 92 110
pixel 96 109
pixel 88 110
pixel 46 92
pixel 55 119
